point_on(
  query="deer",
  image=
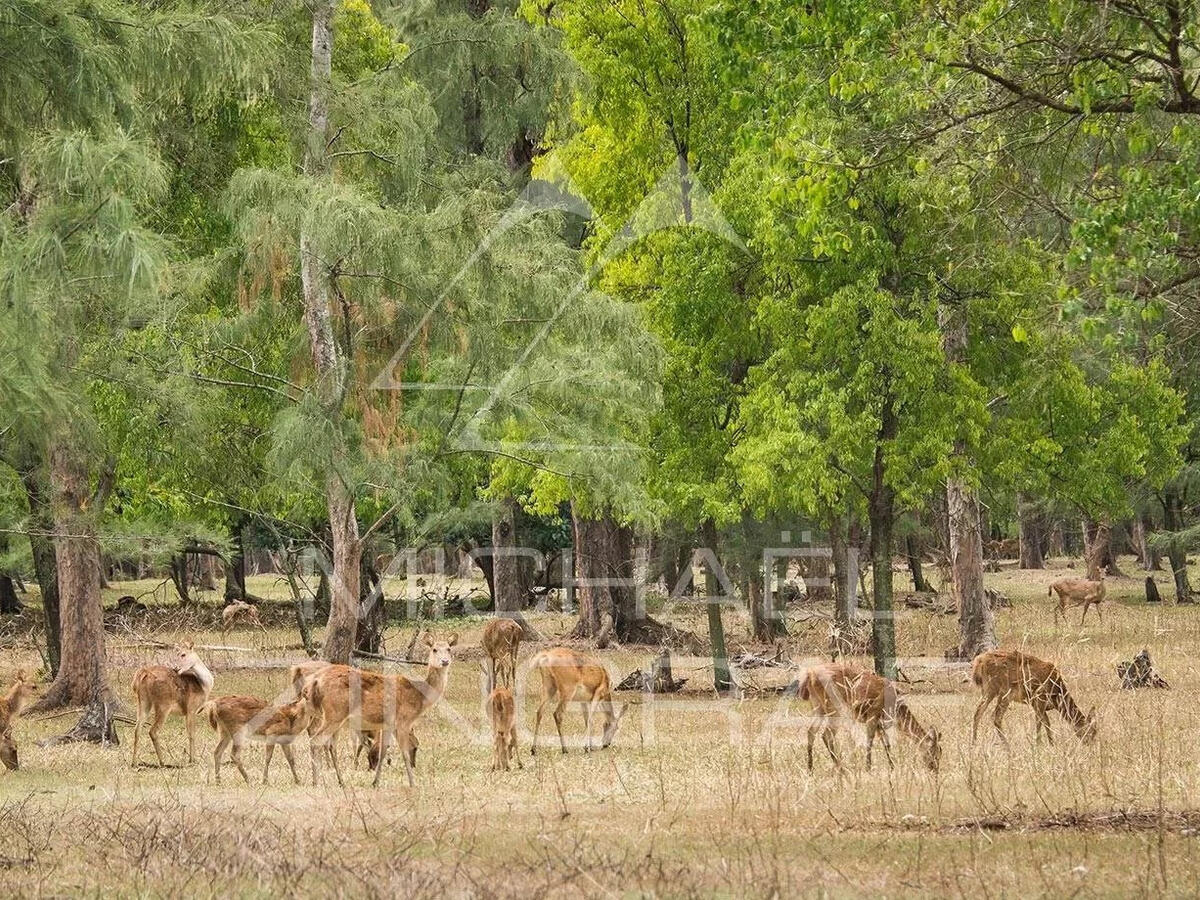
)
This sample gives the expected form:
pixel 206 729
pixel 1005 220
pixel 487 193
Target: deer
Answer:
pixel 237 611
pixel 502 708
pixel 564 674
pixel 239 718
pixel 501 638
pixel 1008 675
pixel 159 691
pixel 1079 592
pixel 11 704
pixel 387 704
pixel 300 674
pixel 841 692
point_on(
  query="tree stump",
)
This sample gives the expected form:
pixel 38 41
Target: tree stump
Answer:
pixel 1140 673
pixel 1152 594
pixel 95 726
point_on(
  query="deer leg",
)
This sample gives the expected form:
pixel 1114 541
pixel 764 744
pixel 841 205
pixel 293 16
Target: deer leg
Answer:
pixel 1099 613
pixel 871 730
pixel 236 753
pixel 291 761
pixel 887 747
pixel 1083 618
pixel 189 721
pixel 331 747
pixel 979 711
pixel 154 726
pixel 270 751
pixel 512 745
pixel 385 737
pixel 1043 722
pixel 217 754
pixel 137 729
pixel 408 767
pixel 499 752
pixel 998 717
pixel 558 717
pixel 537 719
pixel 588 708
pixel 812 735
pixel 827 737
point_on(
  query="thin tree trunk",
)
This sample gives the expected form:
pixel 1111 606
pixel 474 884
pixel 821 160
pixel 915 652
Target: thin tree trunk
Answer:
pixel 508 574
pixel 235 568
pixel 342 627
pixel 10 603
pixel 179 578
pixel 369 636
pixel 1098 550
pixel 1176 551
pixel 45 558
pixel 1147 555
pixel 81 675
pixel 882 512
pixel 912 550
pixel 1032 525
pixel 722 678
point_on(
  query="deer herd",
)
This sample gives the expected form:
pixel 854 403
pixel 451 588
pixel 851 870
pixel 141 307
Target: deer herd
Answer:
pixel 326 700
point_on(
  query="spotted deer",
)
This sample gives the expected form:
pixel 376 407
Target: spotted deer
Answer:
pixel 1005 676
pixel 159 691
pixel 841 692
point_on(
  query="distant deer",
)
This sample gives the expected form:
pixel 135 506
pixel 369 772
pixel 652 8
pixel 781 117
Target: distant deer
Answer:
pixel 840 692
pixel 16 699
pixel 1077 592
pixel 503 710
pixel 239 718
pixel 182 687
pixel 368 740
pixel 1008 675
pixel 239 611
pixel 564 674
pixel 501 638
pixel 388 704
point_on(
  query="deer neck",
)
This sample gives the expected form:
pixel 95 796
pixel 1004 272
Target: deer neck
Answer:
pixel 201 673
pixel 908 724
pixel 435 680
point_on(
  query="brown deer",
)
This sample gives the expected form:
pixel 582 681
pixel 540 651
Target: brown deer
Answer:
pixel 367 740
pixel 564 674
pixel 503 710
pixel 1008 675
pixel 16 699
pixel 501 638
pixel 239 718
pixel 841 692
pixel 387 704
pixel 182 687
pixel 1077 592
pixel 239 611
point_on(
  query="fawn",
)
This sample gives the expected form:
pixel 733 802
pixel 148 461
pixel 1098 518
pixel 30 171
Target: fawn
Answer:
pixel 1077 592
pixel 502 708
pixel 11 704
pixel 501 638
pixel 1008 675
pixel 387 704
pixel 182 688
pixel 239 718
pixel 564 673
pixel 239 611
pixel 840 692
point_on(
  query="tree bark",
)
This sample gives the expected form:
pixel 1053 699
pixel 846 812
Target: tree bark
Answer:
pixel 45 559
pixel 1098 552
pixel 368 637
pixel 179 578
pixel 344 580
pixel 976 628
pixel 10 603
pixel 235 568
pixel 1032 534
pixel 81 675
pixel 722 678
pixel 604 562
pixel 509 584
pixel 882 514
pixel 1147 555
pixel 912 550
pixel 1173 520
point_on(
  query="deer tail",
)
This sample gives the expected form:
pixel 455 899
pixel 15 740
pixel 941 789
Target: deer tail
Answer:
pixel 977 671
pixel 209 710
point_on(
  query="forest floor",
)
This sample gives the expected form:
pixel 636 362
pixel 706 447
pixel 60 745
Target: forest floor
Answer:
pixel 697 796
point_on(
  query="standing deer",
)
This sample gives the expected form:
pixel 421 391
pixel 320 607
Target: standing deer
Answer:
pixel 565 673
pixel 11 704
pixel 237 611
pixel 501 638
pixel 182 688
pixel 1079 592
pixel 388 704
pixel 239 718
pixel 1008 675
pixel 368 740
pixel 504 729
pixel 841 692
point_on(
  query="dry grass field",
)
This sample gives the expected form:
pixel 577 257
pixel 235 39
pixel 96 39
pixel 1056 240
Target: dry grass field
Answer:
pixel 696 797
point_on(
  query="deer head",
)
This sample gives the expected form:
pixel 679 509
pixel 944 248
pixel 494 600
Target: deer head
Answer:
pixel 612 719
pixel 931 749
pixel 1085 728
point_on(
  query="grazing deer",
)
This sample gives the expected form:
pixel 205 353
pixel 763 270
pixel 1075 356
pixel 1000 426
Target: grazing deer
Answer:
pixel 1079 592
pixel 1008 675
pixel 387 704
pixel 239 611
pixel 501 638
pixel 239 718
pixel 182 688
pixel 16 699
pixel 841 692
pixel 565 673
pixel 301 673
pixel 503 711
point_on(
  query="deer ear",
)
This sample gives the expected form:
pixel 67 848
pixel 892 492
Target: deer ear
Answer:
pixel 428 639
pixel 453 639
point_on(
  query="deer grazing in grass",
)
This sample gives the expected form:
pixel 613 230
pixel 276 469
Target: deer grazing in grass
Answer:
pixel 1007 675
pixel 564 674
pixel 501 638
pixel 239 611
pixel 158 691
pixel 387 704
pixel 238 719
pixel 300 675
pixel 503 710
pixel 16 699
pixel 840 692
pixel 1077 592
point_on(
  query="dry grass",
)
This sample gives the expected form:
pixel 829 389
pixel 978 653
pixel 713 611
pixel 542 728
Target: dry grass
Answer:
pixel 696 797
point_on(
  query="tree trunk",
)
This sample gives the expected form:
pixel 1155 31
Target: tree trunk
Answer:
pixel 80 675
pixel 722 678
pixel 342 628
pixel 882 513
pixel 1098 552
pixel 179 578
pixel 1173 521
pixel 235 568
pixel 1149 558
pixel 45 560
pixel 766 621
pixel 912 549
pixel 605 581
pixel 368 637
pixel 10 603
pixel 509 584
pixel 1032 534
